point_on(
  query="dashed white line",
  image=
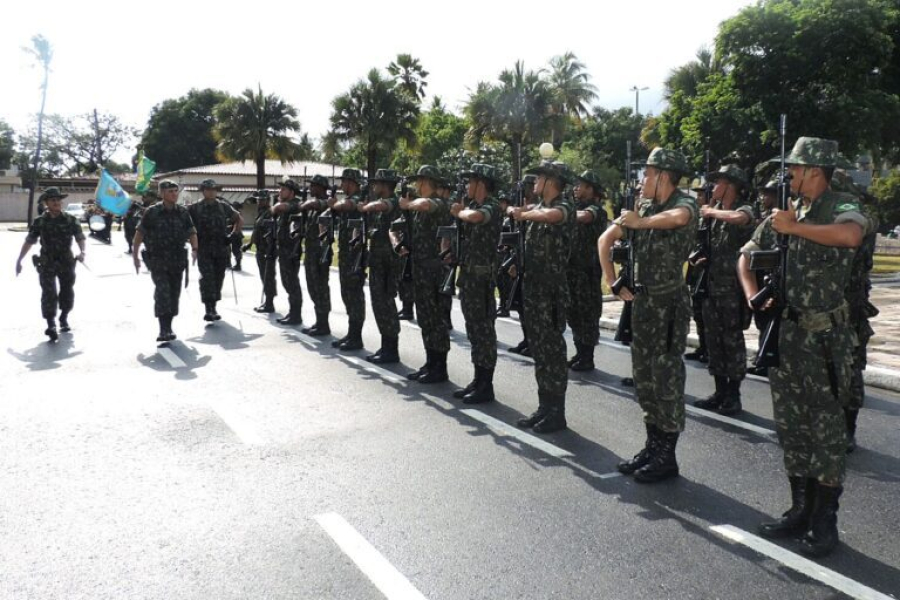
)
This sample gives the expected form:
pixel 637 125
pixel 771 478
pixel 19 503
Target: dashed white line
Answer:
pixel 525 438
pixel 811 569
pixel 728 420
pixel 370 561
pixel 238 424
pixel 170 357
pixel 367 366
pixel 439 402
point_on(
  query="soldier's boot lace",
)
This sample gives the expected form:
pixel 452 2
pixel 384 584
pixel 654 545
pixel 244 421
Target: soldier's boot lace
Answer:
pixel 731 399
pixel 484 387
pixel 642 458
pixel 538 415
pixel 714 401
pixel 555 419
pixel 438 371
pixel 64 322
pixel 822 537
pixel 585 360
pixel 663 464
pixel 796 519
pixel 850 416
pixel 51 332
pixel 429 358
pixel 354 339
pixel 388 354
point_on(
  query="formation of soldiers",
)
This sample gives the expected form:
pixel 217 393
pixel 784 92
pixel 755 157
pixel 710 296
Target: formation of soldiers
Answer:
pixel 545 251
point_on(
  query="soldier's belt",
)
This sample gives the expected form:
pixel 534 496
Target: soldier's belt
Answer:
pixel 821 321
pixel 660 290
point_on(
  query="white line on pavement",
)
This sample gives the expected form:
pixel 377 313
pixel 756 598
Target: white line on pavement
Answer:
pixel 518 357
pixel 366 366
pixel 811 569
pixel 411 324
pixel 170 357
pixel 728 420
pixel 308 340
pixel 525 438
pixel 440 402
pixel 370 561
pixel 238 424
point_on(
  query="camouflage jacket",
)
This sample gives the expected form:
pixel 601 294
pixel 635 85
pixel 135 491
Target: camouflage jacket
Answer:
pixel 55 235
pixel 380 225
pixel 660 254
pixel 547 246
pixel 311 239
pixel 213 220
pixel 286 245
pixel 863 260
pixel 262 236
pixel 165 231
pixel 726 241
pixel 425 246
pixel 345 232
pixel 481 239
pixel 584 240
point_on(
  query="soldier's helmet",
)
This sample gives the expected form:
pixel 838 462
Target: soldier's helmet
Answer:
pixel 427 172
pixel 666 159
pixel 559 170
pixel 592 179
pixel 385 176
pixel 482 171
pixel 352 175
pixel 291 185
pixel 167 184
pixel 732 173
pixel 319 180
pixel 209 184
pixel 814 152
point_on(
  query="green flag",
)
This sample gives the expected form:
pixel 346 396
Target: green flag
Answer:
pixel 145 170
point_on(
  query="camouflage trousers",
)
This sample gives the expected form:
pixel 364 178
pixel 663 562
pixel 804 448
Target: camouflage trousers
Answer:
pixel 405 288
pixel 723 318
pixel 660 326
pixel 585 305
pixel 64 299
pixel 430 307
pixel 809 390
pixel 212 274
pixel 289 267
pixel 352 286
pixel 864 332
pixel 383 268
pixel 267 267
pixel 476 296
pixel 317 281
pixel 167 279
pixel 545 323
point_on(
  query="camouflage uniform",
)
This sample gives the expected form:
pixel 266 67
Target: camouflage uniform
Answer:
pixel 165 232
pixel 861 310
pixel 289 250
pixel 212 219
pixel 263 238
pixel 317 274
pixel 428 275
pixel 56 260
pixel 352 284
pixel 384 266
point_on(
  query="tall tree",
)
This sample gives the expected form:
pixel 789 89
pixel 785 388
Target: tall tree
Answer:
pixel 438 133
pixel 179 132
pixel 84 144
pixel 255 126
pixel 42 52
pixel 374 115
pixel 602 140
pixel 409 75
pixel 688 77
pixel 572 92
pixel 7 145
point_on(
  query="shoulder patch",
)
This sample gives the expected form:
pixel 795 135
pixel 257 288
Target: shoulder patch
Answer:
pixel 847 206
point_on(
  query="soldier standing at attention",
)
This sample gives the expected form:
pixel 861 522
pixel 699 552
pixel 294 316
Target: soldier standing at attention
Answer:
pixel 665 229
pixel 263 237
pixel 289 249
pixel 352 292
pixel 700 354
pixel 551 227
pixel 730 223
pixel 384 264
pixel 428 213
pixel 133 217
pixel 529 200
pixel 236 240
pixel 216 221
pixel 583 272
pixel 811 385
pixel 165 228
pixel 481 221
pixel 316 272
pixel 55 230
pixel 445 193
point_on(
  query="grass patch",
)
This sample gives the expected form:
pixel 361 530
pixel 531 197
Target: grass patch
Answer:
pixel 885 263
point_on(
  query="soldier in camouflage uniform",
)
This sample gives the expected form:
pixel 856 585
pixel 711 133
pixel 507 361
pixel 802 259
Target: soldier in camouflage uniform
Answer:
pixel 730 222
pixel 767 200
pixel 55 230
pixel 133 217
pixel 384 264
pixel 480 221
pixel 530 201
pixel 352 291
pixel 216 223
pixel 429 212
pixel 816 342
pixel 583 272
pixel 165 228
pixel 263 237
pixel 237 241
pixel 547 246
pixel 317 273
pixel 405 286
pixel 288 232
pixel 664 225
pixel 445 193
pixel 700 354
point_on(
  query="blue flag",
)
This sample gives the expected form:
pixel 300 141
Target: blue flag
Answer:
pixel 110 195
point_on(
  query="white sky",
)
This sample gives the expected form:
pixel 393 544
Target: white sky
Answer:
pixel 124 57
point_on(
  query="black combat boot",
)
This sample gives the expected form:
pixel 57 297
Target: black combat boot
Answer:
pixel 714 402
pixel 438 371
pixel 484 387
pixel 354 340
pixel 320 327
pixel 520 347
pixel 796 519
pixel 388 353
pixel 64 322
pixel 575 358
pixel 822 536
pixel 642 458
pixel 406 313
pixel 51 332
pixel 850 415
pixel 538 415
pixel 627 382
pixel 163 332
pixel 731 399
pixel 293 317
pixel 555 419
pixel 585 360
pixel 758 371
pixel 266 307
pixel 429 359
pixel 662 464
pixel 211 312
pixel 463 392
pixel 237 265
pixel 699 355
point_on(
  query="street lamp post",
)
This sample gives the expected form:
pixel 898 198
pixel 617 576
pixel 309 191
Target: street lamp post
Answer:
pixel 637 98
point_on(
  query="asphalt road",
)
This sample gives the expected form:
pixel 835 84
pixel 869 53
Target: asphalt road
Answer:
pixel 253 462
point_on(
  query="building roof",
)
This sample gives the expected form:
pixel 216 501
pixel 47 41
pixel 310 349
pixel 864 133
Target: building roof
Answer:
pixel 273 168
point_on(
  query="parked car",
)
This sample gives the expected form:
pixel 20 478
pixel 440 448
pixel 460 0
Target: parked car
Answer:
pixel 76 209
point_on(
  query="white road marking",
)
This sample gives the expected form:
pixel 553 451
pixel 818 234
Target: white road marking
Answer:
pixel 238 424
pixel 440 402
pixel 411 324
pixel 589 472
pixel 170 357
pixel 525 438
pixel 811 569
pixel 370 561
pixel 728 420
pixel 518 357
pixel 303 339
pixel 367 366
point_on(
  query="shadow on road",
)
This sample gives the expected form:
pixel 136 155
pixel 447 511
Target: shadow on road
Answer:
pixel 47 355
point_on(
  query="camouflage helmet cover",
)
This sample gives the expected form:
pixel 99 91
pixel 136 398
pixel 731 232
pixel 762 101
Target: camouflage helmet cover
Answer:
pixel 482 171
pixel 427 172
pixel 732 173
pixel 814 152
pixel 291 185
pixel 666 159
pixel 559 170
pixel 167 184
pixel 592 179
pixel 319 180
pixel 209 184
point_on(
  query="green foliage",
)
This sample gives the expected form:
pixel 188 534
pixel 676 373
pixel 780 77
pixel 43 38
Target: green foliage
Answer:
pixel 409 76
pixel 437 133
pixel 601 144
pixel 887 194
pixel 179 133
pixel 7 145
pixel 571 92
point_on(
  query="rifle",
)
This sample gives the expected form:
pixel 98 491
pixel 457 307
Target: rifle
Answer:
pixel 403 225
pixel 361 240
pixel 456 249
pixel 515 239
pixel 326 236
pixel 775 261
pixel 623 254
pixel 703 249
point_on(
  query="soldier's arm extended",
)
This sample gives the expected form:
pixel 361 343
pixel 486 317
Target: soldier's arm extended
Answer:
pixel 732 217
pixel 673 218
pixel 474 216
pixel 605 243
pixel 544 214
pixel 136 249
pixel 584 216
pixel 418 205
pixel 846 232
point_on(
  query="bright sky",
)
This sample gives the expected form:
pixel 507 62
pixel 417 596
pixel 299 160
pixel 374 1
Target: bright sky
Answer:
pixel 125 57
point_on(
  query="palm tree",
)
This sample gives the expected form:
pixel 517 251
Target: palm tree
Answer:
pixel 688 77
pixel 572 93
pixel 513 111
pixel 375 114
pixel 409 75
pixel 254 126
pixel 43 54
